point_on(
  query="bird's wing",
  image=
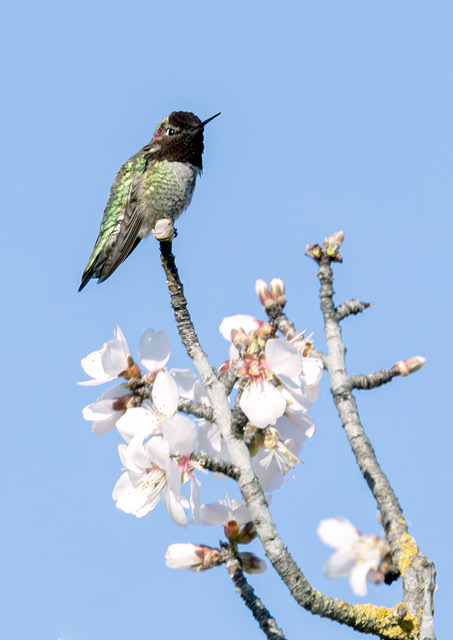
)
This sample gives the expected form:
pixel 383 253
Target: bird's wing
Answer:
pixel 120 224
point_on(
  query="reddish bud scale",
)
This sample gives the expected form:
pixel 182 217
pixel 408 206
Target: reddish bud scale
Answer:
pixel 231 530
pixel 247 533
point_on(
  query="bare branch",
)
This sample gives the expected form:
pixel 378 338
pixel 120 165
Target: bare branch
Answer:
pixel 197 409
pixel 372 380
pixel 261 614
pixel 351 307
pixel 418 571
pixel 215 464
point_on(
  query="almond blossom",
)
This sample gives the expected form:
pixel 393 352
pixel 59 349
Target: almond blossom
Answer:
pixel 114 360
pixel 107 363
pixel 275 372
pixel 358 556
pixel 156 465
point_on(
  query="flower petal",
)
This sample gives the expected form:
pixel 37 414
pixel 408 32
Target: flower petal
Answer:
pixel 283 358
pixel 138 421
pixel 262 403
pixel 186 381
pixel 340 564
pixel 92 365
pixel 181 434
pixel 357 577
pixel 165 394
pixel 248 323
pixel 338 533
pixel 154 349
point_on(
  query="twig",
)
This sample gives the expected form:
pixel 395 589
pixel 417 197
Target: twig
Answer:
pixel 215 464
pixel 197 409
pixel 372 380
pixel 351 307
pixel 261 614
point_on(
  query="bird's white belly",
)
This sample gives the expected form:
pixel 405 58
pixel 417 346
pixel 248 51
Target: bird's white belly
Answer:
pixel 169 193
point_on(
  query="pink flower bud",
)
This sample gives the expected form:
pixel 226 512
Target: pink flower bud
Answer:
pixel 278 291
pixel 263 293
pixel 332 244
pixel 405 367
pixel 194 557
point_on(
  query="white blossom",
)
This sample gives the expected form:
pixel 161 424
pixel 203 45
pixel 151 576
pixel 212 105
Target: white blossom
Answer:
pixel 107 363
pixel 358 556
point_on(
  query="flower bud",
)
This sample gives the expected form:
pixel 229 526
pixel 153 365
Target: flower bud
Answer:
pixel 251 563
pixel 247 533
pixel 264 294
pixel 193 557
pixel 332 244
pixel 278 291
pixel 239 339
pixel 313 251
pixel 405 367
pixel 231 530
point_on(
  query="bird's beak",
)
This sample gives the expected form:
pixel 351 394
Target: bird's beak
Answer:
pixel 202 124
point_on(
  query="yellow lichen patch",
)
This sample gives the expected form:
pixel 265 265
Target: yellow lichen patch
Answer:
pixel 408 552
pixel 394 624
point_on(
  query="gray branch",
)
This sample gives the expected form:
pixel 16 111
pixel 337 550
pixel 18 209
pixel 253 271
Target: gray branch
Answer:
pixel 261 614
pixel 372 380
pixel 351 307
pixel 215 464
pixel 385 623
pixel 197 409
pixel 418 571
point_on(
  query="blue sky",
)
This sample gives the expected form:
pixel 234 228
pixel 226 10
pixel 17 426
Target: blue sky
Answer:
pixel 334 116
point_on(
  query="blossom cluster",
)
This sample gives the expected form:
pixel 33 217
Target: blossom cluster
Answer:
pixel 276 381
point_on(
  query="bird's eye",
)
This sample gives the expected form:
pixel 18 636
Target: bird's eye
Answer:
pixel 171 132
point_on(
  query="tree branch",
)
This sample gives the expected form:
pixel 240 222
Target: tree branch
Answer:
pixel 261 614
pixel 367 618
pixel 351 307
pixel 215 464
pixel 418 571
pixel 197 409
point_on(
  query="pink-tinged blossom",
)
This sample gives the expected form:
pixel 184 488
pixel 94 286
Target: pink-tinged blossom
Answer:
pixel 194 557
pixel 358 556
pixel 274 372
pixel 273 381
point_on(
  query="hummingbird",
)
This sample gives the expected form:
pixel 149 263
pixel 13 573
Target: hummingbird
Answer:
pixel 154 184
